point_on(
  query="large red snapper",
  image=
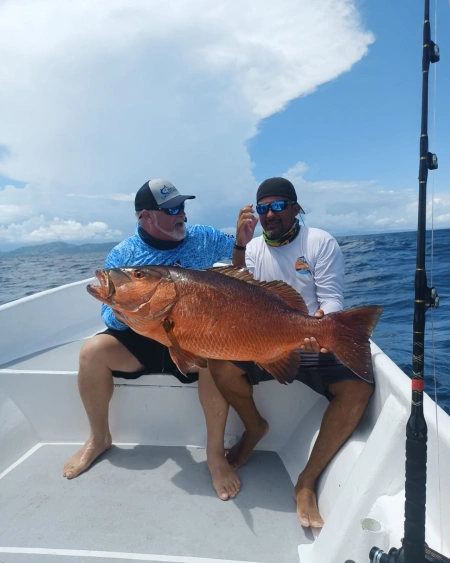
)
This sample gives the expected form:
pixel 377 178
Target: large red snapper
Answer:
pixel 223 313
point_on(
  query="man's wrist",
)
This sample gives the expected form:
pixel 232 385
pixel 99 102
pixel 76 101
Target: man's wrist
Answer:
pixel 239 247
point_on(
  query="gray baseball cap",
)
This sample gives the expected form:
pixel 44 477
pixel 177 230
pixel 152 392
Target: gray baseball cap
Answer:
pixel 159 194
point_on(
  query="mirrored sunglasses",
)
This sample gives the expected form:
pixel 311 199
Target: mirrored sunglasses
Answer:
pixel 174 210
pixel 169 211
pixel 275 206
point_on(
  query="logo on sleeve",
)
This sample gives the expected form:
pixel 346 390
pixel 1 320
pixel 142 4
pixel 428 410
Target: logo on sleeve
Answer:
pixel 301 266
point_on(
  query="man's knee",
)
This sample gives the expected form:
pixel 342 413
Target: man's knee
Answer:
pixel 356 392
pixel 96 349
pixel 223 370
pixel 218 367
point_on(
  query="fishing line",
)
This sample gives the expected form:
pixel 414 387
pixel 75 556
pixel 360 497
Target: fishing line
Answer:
pixel 433 348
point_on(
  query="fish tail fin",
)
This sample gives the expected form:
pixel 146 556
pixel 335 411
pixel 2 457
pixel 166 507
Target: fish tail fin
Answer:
pixel 350 340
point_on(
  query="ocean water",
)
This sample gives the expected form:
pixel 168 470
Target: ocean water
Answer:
pixel 379 270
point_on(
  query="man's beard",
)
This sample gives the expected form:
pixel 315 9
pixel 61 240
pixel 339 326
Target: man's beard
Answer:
pixel 274 230
pixel 177 233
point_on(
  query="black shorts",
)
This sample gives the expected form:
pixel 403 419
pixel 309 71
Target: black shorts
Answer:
pixel 155 357
pixel 317 371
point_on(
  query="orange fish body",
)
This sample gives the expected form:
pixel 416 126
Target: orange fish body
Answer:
pixel 223 313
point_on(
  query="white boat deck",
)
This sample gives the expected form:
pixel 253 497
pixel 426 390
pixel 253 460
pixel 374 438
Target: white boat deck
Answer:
pixel 150 500
pixel 154 501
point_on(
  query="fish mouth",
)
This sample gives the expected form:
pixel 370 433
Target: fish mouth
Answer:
pixel 106 290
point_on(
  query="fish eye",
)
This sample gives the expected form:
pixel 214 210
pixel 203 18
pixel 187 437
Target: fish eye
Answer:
pixel 138 274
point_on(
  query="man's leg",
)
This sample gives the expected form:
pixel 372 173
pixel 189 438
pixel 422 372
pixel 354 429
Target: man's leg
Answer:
pixel 225 480
pixel 340 420
pixel 98 357
pixel 234 386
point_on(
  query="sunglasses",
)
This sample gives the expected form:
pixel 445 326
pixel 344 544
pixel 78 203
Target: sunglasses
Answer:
pixel 275 206
pixel 173 210
pixel 170 210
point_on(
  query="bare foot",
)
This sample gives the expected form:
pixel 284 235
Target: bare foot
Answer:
pixel 225 481
pixel 307 510
pixel 240 452
pixel 85 456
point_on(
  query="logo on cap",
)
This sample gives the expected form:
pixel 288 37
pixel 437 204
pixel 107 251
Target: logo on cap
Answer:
pixel 166 191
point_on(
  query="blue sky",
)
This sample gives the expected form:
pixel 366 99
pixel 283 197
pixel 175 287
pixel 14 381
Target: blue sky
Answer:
pixel 365 124
pixel 98 98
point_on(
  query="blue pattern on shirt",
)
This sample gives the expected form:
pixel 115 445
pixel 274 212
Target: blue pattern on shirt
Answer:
pixel 201 248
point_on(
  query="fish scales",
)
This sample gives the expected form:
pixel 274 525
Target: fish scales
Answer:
pixel 225 319
pixel 223 313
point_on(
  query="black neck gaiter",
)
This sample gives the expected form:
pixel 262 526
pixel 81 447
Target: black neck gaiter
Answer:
pixel 156 242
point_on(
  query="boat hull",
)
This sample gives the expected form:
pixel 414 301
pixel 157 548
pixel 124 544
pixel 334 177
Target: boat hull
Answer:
pixel 361 494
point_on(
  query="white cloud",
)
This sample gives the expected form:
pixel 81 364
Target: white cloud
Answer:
pixel 40 230
pixel 439 208
pixel 352 207
pixel 9 213
pixel 98 97
pixel 112 197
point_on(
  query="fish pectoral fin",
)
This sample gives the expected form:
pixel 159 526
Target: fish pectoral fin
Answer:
pixel 168 328
pixel 284 368
pixel 185 361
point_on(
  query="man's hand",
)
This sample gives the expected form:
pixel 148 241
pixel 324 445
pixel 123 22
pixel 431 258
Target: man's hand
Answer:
pixel 311 344
pixel 245 225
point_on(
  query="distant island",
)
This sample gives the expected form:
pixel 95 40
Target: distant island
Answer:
pixel 53 248
pixel 57 248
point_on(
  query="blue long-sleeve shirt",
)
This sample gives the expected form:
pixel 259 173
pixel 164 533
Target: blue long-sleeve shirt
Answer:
pixel 200 249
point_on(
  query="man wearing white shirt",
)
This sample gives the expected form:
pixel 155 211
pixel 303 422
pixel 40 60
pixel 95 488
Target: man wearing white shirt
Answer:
pixel 311 261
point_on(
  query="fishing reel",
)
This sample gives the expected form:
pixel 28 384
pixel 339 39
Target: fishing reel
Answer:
pixel 435 55
pixel 432 161
pixel 398 556
pixel 431 298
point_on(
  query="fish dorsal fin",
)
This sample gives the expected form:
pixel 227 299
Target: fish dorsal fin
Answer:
pixel 288 293
pixel 237 272
pixel 282 289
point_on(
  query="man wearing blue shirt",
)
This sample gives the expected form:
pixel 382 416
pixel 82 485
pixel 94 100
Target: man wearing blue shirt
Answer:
pixel 163 238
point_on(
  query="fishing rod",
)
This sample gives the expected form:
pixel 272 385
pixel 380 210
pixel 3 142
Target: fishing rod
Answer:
pixel 414 549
